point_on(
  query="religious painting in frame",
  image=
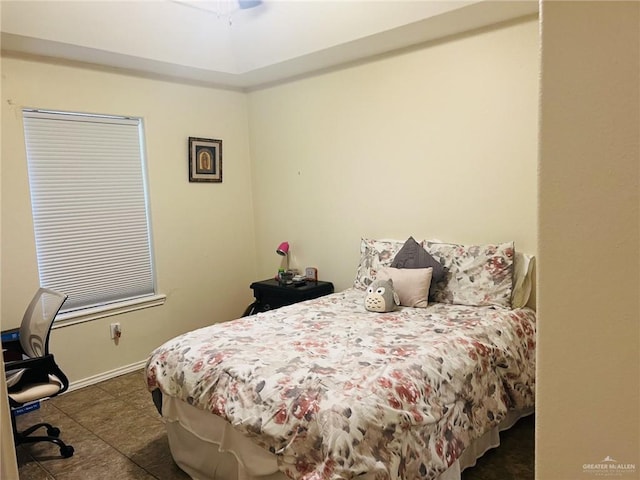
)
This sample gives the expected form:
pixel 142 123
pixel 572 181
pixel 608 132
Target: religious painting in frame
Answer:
pixel 205 160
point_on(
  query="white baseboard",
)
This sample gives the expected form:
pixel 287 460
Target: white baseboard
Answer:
pixel 101 377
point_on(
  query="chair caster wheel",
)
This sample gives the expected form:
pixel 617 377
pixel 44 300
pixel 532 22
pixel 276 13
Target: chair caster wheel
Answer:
pixel 53 432
pixel 66 451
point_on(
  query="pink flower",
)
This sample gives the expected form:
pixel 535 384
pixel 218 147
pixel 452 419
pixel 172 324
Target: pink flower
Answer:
pixel 384 382
pixel 281 415
pixel 497 266
pixel 305 406
pixel 152 378
pixel 417 416
pixel 394 402
pixel 197 366
pixel 408 393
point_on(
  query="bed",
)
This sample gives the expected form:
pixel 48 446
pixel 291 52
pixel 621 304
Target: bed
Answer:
pixel 325 389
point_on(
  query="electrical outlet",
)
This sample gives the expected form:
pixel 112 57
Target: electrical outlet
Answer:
pixel 115 330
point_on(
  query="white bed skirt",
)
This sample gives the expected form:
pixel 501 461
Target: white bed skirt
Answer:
pixel 208 448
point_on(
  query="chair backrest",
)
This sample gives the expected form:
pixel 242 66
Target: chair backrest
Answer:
pixel 37 321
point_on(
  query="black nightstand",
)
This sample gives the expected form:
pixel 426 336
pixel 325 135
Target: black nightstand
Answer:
pixel 269 294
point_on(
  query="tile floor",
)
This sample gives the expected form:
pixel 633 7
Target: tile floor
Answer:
pixel 118 435
pixel 114 428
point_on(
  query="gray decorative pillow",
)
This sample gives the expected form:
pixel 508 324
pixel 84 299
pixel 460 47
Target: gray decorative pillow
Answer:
pixel 413 255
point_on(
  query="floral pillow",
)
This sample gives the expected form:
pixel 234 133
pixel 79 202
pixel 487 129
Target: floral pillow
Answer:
pixel 477 275
pixel 374 255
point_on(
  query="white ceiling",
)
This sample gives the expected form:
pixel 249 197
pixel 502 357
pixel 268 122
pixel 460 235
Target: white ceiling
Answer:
pixel 216 43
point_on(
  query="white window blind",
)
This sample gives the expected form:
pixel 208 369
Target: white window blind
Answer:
pixel 90 209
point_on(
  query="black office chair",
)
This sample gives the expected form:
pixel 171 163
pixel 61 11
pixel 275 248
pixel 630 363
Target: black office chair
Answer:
pixel 31 371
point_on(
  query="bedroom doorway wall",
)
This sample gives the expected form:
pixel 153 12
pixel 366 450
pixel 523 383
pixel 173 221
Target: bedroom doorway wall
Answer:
pixel 588 407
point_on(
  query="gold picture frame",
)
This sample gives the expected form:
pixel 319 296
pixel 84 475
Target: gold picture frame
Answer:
pixel 205 160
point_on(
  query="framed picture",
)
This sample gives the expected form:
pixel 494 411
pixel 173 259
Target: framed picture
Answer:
pixel 205 160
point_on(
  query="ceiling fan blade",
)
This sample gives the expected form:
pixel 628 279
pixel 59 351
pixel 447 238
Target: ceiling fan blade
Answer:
pixel 244 4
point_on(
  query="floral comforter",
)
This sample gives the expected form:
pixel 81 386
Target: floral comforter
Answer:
pixel 336 392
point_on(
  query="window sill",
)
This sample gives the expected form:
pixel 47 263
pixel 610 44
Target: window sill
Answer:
pixel 89 314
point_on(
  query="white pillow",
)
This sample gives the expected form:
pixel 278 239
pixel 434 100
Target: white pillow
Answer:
pixel 411 284
pixel 522 279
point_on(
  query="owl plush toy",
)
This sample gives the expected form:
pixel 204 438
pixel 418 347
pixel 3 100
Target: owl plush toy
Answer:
pixel 381 296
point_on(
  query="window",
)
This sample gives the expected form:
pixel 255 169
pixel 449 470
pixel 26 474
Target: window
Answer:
pixel 90 208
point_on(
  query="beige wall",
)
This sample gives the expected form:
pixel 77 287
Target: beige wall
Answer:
pixel 203 233
pixel 588 403
pixel 439 141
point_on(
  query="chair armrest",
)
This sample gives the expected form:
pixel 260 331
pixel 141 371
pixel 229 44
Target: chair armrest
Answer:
pixel 45 363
